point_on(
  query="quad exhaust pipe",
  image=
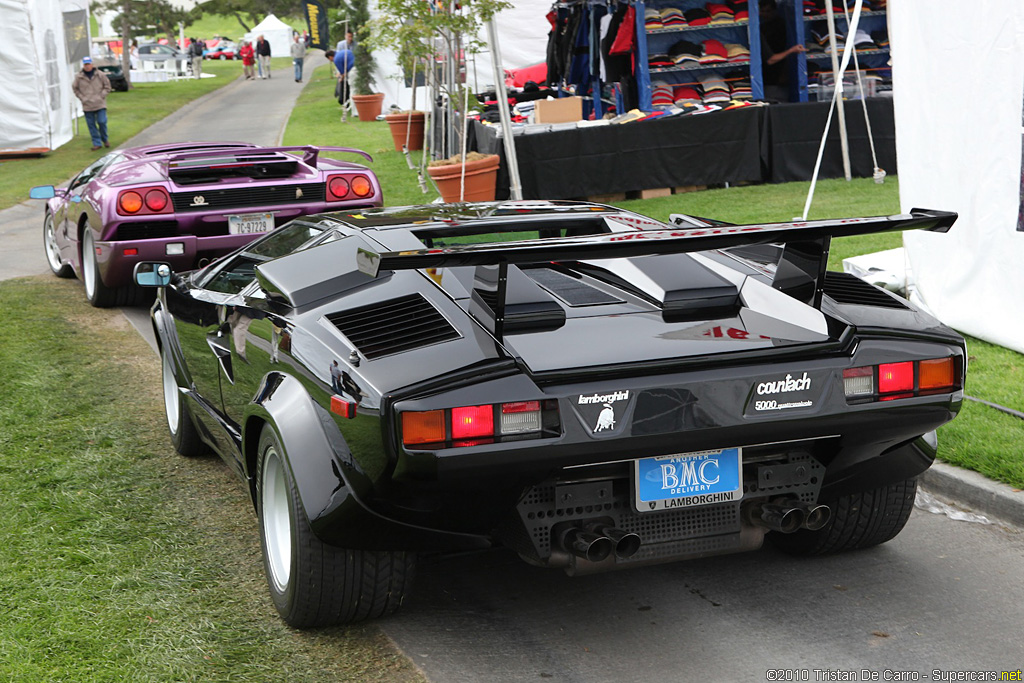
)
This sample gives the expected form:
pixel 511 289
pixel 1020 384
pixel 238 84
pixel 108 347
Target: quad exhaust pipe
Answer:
pixel 789 516
pixel 597 541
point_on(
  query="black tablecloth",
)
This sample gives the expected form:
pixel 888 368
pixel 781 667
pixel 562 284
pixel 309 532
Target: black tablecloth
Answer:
pixel 764 144
pixel 694 150
pixel 792 134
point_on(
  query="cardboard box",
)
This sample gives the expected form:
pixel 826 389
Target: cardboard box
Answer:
pixel 562 110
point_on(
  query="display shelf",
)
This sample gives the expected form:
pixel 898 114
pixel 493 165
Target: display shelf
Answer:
pixel 744 31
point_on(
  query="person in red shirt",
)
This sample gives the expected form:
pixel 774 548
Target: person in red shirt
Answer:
pixel 248 56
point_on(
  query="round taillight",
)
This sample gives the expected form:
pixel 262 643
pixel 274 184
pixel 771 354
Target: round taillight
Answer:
pixel 361 186
pixel 156 200
pixel 130 202
pixel 338 187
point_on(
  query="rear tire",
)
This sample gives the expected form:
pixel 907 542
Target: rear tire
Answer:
pixel 98 294
pixel 311 583
pixel 858 520
pixel 53 251
pixel 183 433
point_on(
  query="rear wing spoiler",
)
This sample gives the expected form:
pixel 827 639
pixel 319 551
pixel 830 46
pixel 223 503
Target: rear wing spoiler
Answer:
pixel 309 156
pixel 799 273
pixel 654 241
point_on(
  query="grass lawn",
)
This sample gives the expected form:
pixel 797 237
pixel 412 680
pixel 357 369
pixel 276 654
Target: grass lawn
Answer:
pixel 121 560
pixel 981 438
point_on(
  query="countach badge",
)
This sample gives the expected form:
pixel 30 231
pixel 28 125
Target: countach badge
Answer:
pixel 792 391
pixel 603 414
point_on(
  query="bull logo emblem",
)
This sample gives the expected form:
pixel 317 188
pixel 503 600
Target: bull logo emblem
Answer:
pixel 606 420
pixel 298 193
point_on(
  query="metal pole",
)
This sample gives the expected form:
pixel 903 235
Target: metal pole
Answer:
pixel 837 77
pixel 515 187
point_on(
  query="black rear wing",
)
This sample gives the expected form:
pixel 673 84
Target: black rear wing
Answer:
pixel 799 272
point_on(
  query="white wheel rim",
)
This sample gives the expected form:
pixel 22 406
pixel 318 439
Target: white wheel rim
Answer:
pixel 172 399
pixel 52 251
pixel 89 264
pixel 277 530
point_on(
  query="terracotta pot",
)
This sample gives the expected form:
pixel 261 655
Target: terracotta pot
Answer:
pixel 368 106
pixel 481 178
pixel 407 125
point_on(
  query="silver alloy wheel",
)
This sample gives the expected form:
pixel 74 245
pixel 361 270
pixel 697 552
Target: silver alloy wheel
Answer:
pixel 52 250
pixel 172 397
pixel 89 265
pixel 277 528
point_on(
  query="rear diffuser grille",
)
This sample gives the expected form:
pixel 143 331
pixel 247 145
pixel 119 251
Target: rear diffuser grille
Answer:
pixel 148 230
pixel 850 289
pixel 393 326
pixel 241 197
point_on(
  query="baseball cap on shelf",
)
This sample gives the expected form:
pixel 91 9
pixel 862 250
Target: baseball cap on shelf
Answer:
pixel 86 60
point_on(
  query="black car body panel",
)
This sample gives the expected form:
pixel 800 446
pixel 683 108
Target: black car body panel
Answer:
pixel 596 339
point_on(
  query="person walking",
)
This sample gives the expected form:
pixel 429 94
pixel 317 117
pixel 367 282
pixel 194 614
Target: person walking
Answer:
pixel 91 87
pixel 263 57
pixel 298 56
pixel 195 50
pixel 248 56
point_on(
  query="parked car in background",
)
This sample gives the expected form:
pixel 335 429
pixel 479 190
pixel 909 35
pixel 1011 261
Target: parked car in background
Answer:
pixel 225 50
pixel 155 52
pixel 109 62
pixel 588 387
pixel 187 204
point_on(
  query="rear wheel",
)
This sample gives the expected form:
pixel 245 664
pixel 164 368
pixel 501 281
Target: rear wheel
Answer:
pixel 858 520
pixel 183 433
pixel 99 294
pixel 53 251
pixel 311 583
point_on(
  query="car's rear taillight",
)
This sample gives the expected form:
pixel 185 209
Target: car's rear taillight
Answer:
pixel 423 427
pixel 472 422
pixel 473 425
pixel 337 187
pixel 889 381
pixel 361 186
pixel 157 200
pixel 144 201
pixel 129 202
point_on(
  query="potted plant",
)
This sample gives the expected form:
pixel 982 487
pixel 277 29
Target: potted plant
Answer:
pixel 355 15
pixel 471 181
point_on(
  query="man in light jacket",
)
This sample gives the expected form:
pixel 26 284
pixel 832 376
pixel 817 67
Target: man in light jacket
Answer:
pixel 91 86
pixel 298 56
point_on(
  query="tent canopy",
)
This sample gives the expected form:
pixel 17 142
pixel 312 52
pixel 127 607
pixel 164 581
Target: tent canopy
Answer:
pixel 277 33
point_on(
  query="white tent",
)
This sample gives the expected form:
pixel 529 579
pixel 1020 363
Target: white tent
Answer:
pixel 963 155
pixel 35 110
pixel 277 33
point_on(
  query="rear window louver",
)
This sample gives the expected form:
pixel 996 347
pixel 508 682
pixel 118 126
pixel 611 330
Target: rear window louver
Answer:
pixel 850 289
pixel 393 326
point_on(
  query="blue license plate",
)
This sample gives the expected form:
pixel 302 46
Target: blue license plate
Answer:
pixel 688 480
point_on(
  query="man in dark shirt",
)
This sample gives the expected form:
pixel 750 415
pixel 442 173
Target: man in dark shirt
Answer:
pixel 775 49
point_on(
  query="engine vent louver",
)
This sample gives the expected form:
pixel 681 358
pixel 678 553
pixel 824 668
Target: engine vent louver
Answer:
pixel 850 289
pixel 393 326
pixel 571 290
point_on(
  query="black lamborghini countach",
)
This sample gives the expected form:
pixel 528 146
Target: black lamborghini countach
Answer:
pixel 586 386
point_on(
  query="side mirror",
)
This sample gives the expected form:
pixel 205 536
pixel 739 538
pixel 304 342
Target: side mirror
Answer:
pixel 42 192
pixel 151 274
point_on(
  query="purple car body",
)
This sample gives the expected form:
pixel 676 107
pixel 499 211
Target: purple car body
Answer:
pixel 186 204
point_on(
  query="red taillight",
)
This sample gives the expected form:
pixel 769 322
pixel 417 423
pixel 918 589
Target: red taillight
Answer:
pixel 361 186
pixel 423 427
pixel 936 374
pixel 340 406
pixel 129 202
pixel 471 422
pixel 131 251
pixel 156 200
pixel 337 187
pixel 895 377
